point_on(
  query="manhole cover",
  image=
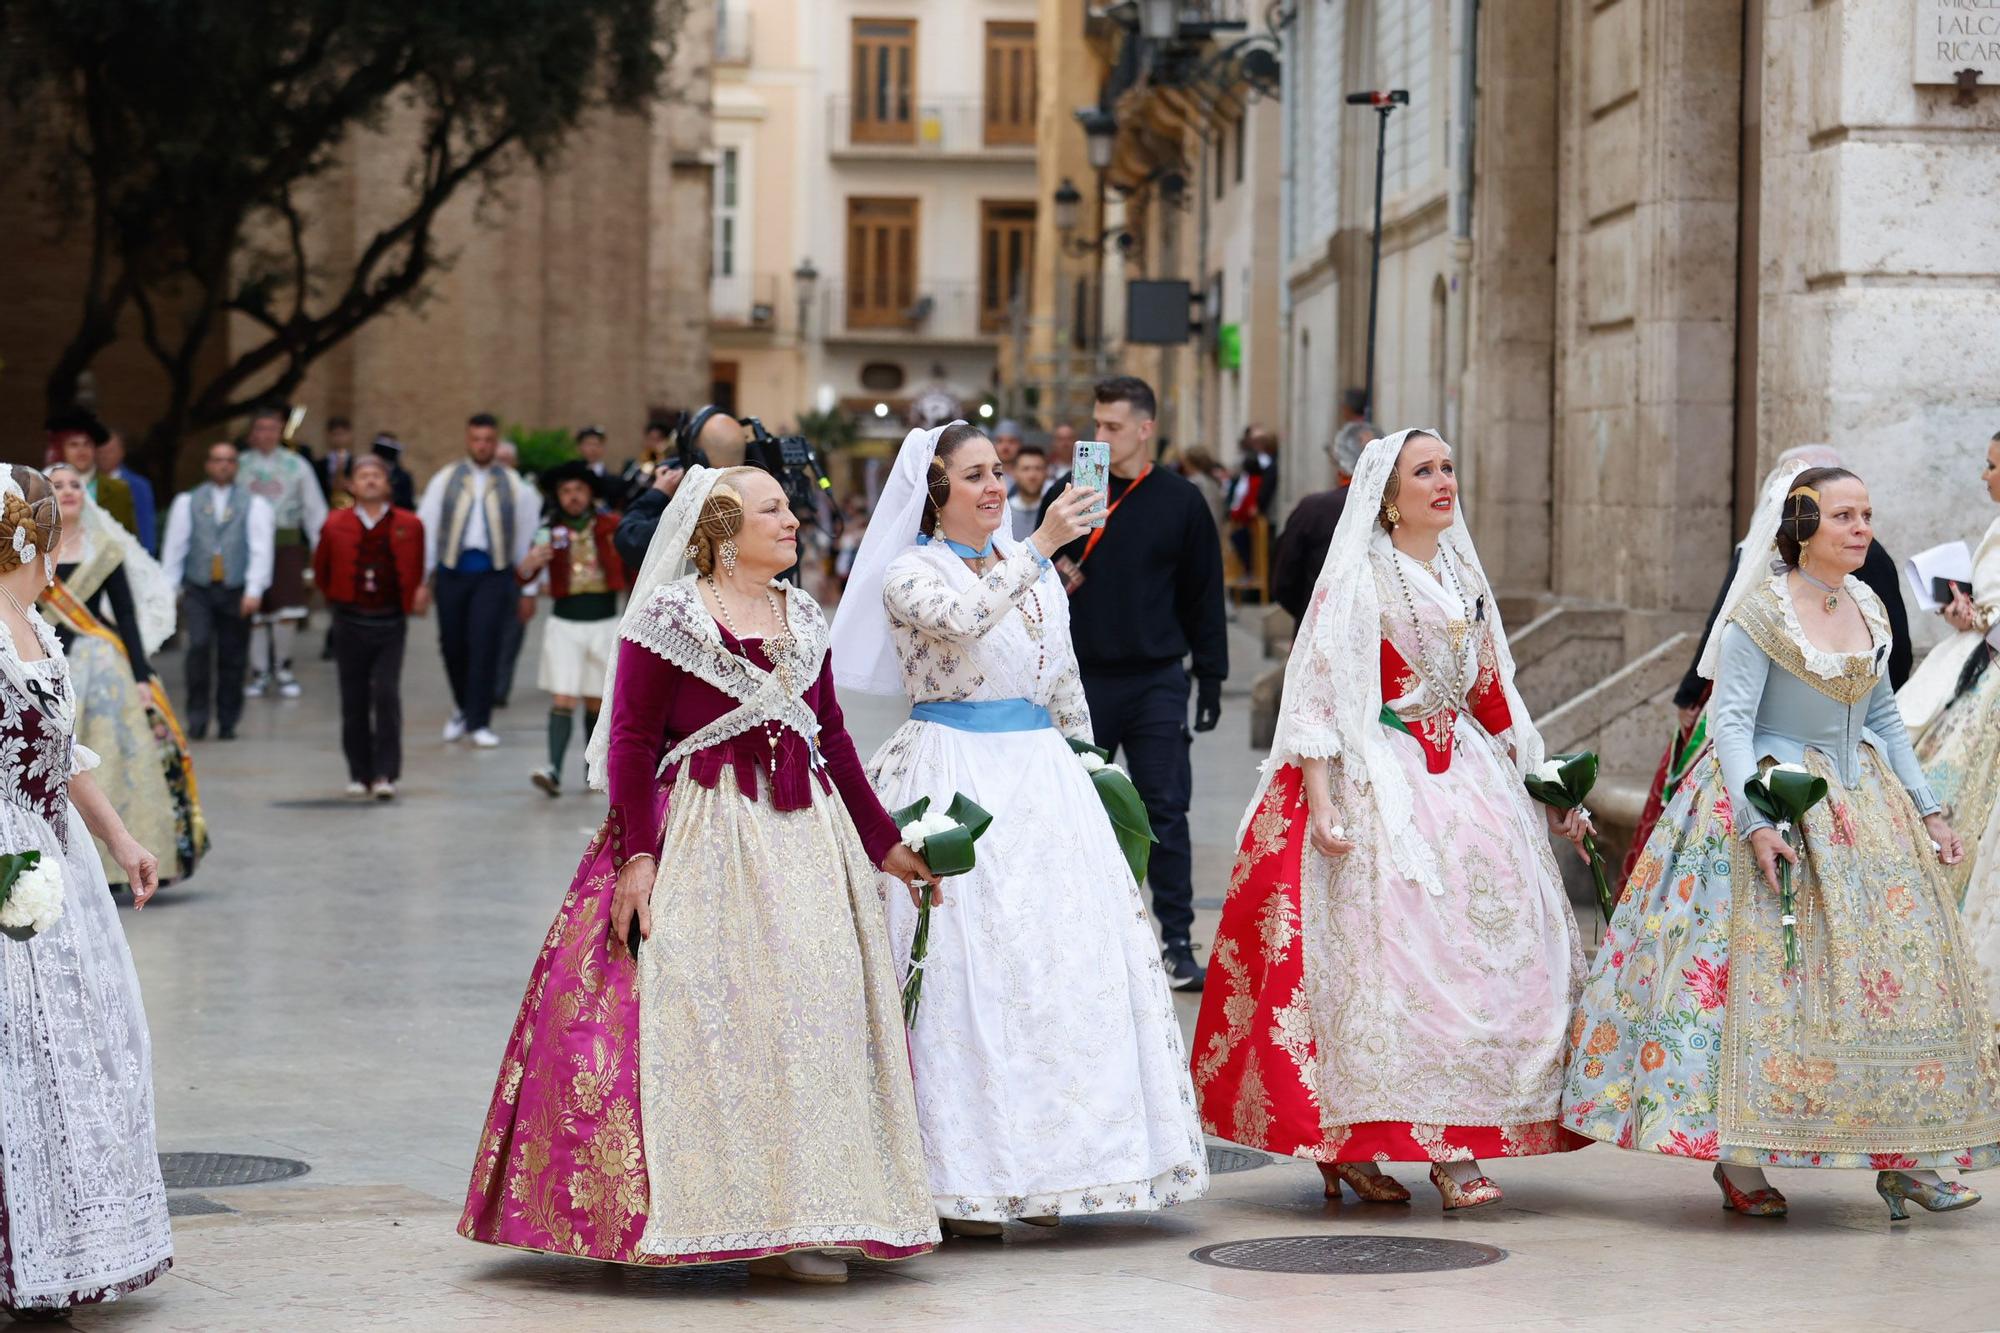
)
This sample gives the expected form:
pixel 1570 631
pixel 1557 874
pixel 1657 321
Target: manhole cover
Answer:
pixel 195 1205
pixel 1226 1157
pixel 1348 1254
pixel 219 1170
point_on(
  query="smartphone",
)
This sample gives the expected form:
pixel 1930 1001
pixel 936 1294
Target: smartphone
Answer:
pixel 1943 589
pixel 1090 470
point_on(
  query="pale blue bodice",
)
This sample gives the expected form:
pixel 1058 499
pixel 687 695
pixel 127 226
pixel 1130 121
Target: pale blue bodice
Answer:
pixel 1779 698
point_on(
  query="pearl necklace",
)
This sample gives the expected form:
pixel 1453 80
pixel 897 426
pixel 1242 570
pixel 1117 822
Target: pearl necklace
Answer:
pixel 774 649
pixel 1448 678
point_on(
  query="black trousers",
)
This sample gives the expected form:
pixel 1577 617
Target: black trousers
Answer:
pixel 218 647
pixel 512 634
pixel 472 612
pixel 368 654
pixel 1144 713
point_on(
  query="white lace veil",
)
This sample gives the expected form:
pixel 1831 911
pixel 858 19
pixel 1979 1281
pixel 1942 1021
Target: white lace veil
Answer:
pixel 864 656
pixel 1753 564
pixel 152 595
pixel 666 560
pixel 1333 681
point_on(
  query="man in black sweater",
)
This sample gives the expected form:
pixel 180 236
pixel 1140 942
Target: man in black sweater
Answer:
pixel 1145 593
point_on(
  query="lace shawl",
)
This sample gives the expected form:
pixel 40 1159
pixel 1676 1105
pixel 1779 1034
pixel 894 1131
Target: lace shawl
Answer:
pixel 675 624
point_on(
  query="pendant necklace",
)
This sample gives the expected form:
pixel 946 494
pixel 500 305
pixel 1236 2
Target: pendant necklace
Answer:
pixel 1832 600
pixel 773 647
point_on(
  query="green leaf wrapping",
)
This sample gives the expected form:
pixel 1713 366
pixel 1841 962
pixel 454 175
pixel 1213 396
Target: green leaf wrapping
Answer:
pixel 1577 774
pixel 949 853
pixel 1783 797
pixel 1126 811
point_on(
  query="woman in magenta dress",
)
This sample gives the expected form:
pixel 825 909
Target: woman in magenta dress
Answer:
pixel 741 1089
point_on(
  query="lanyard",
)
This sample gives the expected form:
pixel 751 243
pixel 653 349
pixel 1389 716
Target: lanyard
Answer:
pixel 1098 535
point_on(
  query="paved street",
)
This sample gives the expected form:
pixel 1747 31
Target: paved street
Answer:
pixel 337 983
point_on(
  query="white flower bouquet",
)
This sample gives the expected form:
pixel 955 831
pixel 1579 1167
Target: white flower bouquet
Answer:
pixel 1562 782
pixel 1122 806
pixel 31 895
pixel 1782 794
pixel 945 842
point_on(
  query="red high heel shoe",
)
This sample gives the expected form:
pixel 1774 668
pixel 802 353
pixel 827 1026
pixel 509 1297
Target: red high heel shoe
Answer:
pixel 1369 1188
pixel 1766 1202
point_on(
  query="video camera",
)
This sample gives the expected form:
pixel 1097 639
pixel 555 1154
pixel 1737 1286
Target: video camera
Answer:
pixel 795 463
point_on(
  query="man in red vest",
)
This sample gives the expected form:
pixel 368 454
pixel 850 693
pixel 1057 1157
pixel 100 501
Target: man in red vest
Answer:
pixel 576 557
pixel 370 565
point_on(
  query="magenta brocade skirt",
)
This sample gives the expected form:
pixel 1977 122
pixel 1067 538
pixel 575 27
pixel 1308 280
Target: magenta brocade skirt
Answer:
pixel 561 1166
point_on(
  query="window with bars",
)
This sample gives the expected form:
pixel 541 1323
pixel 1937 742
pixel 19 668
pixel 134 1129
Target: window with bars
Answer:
pixel 885 81
pixel 881 262
pixel 1010 83
pixel 1006 259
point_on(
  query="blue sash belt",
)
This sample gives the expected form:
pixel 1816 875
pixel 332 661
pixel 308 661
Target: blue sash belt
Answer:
pixel 985 715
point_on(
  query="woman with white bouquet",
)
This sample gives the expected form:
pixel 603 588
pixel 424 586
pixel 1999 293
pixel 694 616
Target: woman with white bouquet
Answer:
pixel 1397 960
pixel 1784 982
pixel 83 1213
pixel 1050 1073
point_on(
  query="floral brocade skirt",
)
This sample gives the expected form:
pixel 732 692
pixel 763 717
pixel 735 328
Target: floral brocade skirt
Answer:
pixel 1351 1016
pixel 743 1090
pixel 1694 1040
pixel 1960 754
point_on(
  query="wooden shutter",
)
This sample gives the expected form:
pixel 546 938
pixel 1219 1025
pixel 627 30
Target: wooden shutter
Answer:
pixel 1006 259
pixel 881 262
pixel 1010 83
pixel 885 81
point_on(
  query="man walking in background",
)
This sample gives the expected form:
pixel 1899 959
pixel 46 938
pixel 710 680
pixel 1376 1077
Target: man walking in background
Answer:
pixel 576 558
pixel 218 551
pixel 478 525
pixel 286 482
pixel 369 565
pixel 145 515
pixel 74 437
pixel 1309 531
pixel 1026 489
pixel 1145 594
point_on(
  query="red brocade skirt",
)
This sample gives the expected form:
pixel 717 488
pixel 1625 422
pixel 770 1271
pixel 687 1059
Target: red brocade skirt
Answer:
pixel 1256 1044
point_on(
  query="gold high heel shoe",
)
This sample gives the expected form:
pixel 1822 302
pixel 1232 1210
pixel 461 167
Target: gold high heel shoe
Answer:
pixel 1475 1193
pixel 1369 1188
pixel 1947 1196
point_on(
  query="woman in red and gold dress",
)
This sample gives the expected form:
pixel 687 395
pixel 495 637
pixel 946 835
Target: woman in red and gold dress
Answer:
pixel 1396 965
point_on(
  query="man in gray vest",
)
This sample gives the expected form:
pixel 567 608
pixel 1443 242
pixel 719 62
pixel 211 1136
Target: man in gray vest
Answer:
pixel 478 525
pixel 218 552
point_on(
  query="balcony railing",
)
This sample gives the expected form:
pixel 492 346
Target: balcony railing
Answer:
pixel 931 126
pixel 746 300
pixel 944 310
pixel 732 32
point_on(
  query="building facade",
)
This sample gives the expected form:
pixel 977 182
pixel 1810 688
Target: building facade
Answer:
pixel 875 210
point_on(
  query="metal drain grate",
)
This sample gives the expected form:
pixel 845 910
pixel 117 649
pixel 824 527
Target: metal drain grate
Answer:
pixel 195 1205
pixel 1224 1158
pixel 220 1170
pixel 1348 1254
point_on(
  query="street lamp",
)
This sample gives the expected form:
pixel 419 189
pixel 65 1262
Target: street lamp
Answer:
pixel 1100 133
pixel 805 281
pixel 1159 20
pixel 1067 200
pixel 1383 103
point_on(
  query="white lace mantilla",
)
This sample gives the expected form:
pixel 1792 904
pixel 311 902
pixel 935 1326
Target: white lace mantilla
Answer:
pixel 675 623
pixel 79 1179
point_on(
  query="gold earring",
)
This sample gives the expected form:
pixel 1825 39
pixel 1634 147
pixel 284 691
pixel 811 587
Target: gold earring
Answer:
pixel 1393 514
pixel 727 554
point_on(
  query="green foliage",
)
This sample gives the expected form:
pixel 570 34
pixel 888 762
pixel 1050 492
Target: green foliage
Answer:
pixel 830 430
pixel 185 136
pixel 540 449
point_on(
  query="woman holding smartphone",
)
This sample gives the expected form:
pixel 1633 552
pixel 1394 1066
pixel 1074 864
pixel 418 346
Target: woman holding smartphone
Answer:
pixel 1393 976
pixel 1050 1074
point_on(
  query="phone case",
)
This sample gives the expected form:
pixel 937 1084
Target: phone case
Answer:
pixel 1090 470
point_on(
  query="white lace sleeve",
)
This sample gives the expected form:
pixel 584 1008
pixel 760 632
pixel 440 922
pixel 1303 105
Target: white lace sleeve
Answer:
pixel 82 758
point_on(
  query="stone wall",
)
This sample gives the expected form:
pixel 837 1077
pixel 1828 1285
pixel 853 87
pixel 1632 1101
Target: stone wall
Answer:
pixel 1879 280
